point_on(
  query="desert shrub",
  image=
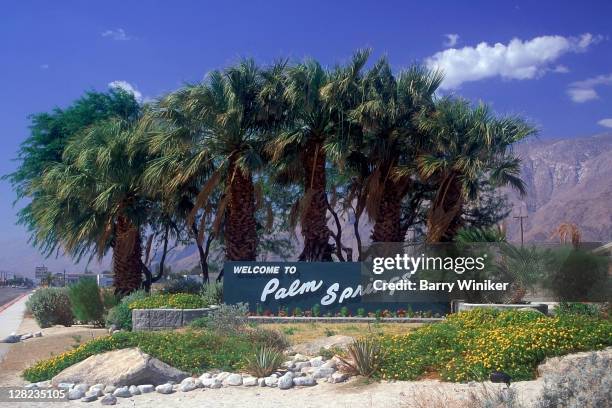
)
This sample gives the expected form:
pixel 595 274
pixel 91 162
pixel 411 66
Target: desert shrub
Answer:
pixel 213 293
pixel 573 308
pixel 199 323
pixel 109 299
pixel 173 301
pixel 191 351
pixel 363 357
pixel 182 285
pixel 120 316
pixel 86 301
pixel 50 306
pixel 264 362
pixel 585 383
pixel 329 353
pixel 268 337
pixel 469 345
pixel 228 318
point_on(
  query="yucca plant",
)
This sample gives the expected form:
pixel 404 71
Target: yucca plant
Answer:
pixel 265 362
pixel 363 357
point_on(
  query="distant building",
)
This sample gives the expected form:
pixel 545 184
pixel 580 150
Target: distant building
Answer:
pixel 104 279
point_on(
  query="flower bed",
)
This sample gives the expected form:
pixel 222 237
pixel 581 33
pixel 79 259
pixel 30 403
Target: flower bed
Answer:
pixel 170 301
pixel 469 345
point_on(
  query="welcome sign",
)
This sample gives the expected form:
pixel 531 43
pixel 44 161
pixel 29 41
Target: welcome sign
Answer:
pixel 270 286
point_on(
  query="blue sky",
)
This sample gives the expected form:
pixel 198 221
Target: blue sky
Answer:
pixel 557 71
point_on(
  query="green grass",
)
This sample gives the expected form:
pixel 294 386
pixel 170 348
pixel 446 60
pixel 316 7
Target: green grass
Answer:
pixel 190 351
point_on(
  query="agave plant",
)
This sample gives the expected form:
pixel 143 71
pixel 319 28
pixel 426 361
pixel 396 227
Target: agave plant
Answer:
pixel 363 357
pixel 265 362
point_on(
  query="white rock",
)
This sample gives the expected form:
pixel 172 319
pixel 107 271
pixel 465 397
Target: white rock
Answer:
pixel 205 375
pixel 300 357
pixel 285 382
pixel 44 384
pixel 288 364
pixel 189 384
pixel 271 381
pixel 89 397
pixel 329 364
pixel 306 381
pixel 30 386
pixel 38 334
pixel 302 364
pixel 211 383
pixel 322 373
pixel 108 399
pixel 316 363
pixel 261 382
pixel 308 370
pixel 233 380
pixel 82 386
pixel 75 393
pixel 222 376
pixel 164 389
pixel 109 389
pixel 26 336
pixel 146 388
pixel 65 386
pixel 122 392
pixel 216 385
pixel 97 391
pixel 134 390
pixel 249 381
pixel 338 378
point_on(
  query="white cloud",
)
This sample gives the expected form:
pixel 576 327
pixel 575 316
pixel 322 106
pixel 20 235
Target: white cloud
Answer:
pixel 516 60
pixel 583 91
pixel 126 86
pixel 560 69
pixel 605 123
pixel 118 34
pixel 451 40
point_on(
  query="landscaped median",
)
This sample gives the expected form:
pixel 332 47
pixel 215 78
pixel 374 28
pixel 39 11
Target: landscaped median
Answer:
pixel 467 346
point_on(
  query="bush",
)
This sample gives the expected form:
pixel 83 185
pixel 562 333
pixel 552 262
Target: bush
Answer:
pixel 173 301
pixel 120 316
pixel 228 318
pixel 571 308
pixel 192 352
pixel 363 357
pixel 86 301
pixel 269 338
pixel 213 293
pixel 469 345
pixel 183 285
pixel 264 362
pixel 585 383
pixel 50 306
pixel 109 299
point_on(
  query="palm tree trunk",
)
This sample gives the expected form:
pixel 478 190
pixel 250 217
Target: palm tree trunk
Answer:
pixel 127 253
pixel 444 217
pixel 387 226
pixel 240 229
pixel 314 216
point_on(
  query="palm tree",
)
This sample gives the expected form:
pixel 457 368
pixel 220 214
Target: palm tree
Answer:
pixel 391 139
pixel 568 232
pixel 90 202
pixel 466 145
pixel 213 132
pixel 317 100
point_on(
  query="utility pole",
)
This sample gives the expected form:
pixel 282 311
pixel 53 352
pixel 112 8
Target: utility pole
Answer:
pixel 521 218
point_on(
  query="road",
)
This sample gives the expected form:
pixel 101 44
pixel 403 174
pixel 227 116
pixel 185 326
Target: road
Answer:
pixel 8 294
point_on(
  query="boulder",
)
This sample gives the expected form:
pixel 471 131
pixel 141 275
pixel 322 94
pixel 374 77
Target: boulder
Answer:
pixel 108 399
pixel 285 382
pixel 164 388
pixel 211 383
pixel 305 381
pixel 122 392
pixel 64 385
pixel 249 381
pixel 271 381
pixel 189 384
pixel 312 348
pixel 205 375
pixel 322 373
pixel 75 393
pixel 338 378
pixel 134 390
pixel 146 388
pixel 12 338
pixel 89 397
pixel 233 380
pixel 109 389
pixel 120 368
pixel 261 382
pixel 222 376
pixel 302 364
pixel 82 386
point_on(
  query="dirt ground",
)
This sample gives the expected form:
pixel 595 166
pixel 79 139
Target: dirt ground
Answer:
pixel 304 332
pixel 55 340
